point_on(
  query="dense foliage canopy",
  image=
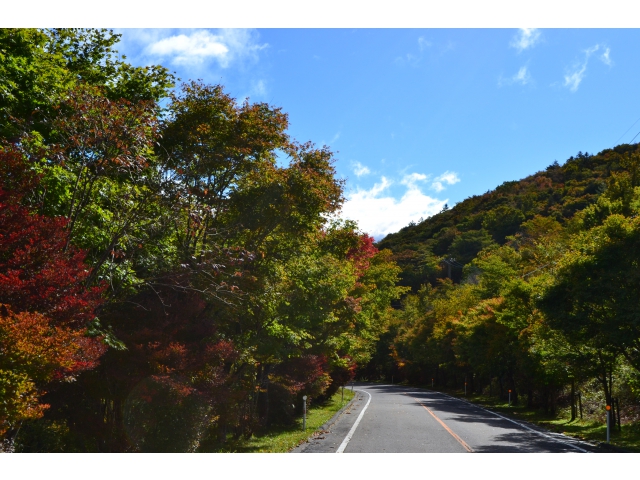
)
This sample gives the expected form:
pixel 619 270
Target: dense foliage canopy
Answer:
pixel 170 276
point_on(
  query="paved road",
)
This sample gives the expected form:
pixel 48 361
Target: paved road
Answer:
pixel 401 419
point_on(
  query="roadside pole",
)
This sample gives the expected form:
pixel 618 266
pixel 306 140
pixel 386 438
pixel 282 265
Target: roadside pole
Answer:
pixel 304 413
pixel 342 399
pixel 509 397
pixel 608 407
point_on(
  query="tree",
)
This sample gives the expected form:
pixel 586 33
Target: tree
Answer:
pixel 593 299
pixel 45 310
pixel 39 66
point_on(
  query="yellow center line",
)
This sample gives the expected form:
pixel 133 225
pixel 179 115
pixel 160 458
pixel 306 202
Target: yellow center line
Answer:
pixel 453 434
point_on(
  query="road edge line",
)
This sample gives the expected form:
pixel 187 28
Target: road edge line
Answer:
pixel 346 440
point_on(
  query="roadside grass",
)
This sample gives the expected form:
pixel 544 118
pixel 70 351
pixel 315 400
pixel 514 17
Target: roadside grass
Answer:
pixel 588 428
pixel 283 439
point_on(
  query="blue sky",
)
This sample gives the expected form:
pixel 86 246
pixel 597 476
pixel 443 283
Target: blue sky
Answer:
pixel 421 117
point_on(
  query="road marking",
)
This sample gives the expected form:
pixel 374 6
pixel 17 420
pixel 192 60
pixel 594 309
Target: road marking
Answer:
pixel 451 432
pixel 346 440
pixel 517 423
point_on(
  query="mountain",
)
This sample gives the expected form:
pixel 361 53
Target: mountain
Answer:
pixel 440 245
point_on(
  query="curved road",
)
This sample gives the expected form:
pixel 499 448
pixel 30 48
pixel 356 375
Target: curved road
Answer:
pixel 389 418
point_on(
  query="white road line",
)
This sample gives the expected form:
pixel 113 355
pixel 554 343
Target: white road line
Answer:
pixel 344 443
pixel 517 423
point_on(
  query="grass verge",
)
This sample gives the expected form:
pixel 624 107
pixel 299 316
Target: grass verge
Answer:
pixel 283 439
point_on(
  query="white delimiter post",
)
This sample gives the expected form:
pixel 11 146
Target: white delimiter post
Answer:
pixel 304 412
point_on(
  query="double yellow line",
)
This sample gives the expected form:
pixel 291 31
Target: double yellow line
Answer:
pixel 451 432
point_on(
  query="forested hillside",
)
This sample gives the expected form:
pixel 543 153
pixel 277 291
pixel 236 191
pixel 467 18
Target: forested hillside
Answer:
pixel 530 288
pixel 483 220
pixel 165 284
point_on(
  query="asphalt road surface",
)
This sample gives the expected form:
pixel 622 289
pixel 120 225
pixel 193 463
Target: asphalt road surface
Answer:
pixel 395 419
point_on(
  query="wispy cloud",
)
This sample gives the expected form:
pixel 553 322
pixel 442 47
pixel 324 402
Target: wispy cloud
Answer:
pixel 378 213
pixel 422 43
pixel 360 169
pixel 415 58
pixel 447 177
pixel 258 89
pixel 526 38
pixel 411 180
pixel 578 70
pixel 408 58
pixel 523 77
pixel 448 47
pixel 606 59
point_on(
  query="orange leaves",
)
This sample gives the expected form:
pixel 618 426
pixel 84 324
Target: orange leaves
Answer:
pixel 34 352
pixel 43 349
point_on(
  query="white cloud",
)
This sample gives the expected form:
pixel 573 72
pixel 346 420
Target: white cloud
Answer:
pixel 196 47
pixel 606 59
pixel 447 177
pixel 378 214
pixel 191 49
pixel 360 169
pixel 526 38
pixel 523 77
pixel 578 71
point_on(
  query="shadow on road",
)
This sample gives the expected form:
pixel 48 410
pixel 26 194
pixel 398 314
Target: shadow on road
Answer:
pixel 505 436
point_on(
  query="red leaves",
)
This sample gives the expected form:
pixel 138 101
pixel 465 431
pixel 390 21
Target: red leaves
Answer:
pixel 306 374
pixel 362 254
pixel 36 274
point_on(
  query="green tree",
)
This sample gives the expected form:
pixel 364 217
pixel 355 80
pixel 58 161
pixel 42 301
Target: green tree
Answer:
pixel 39 66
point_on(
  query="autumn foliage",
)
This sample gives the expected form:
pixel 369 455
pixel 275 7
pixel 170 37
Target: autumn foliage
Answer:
pixel 44 304
pixel 202 236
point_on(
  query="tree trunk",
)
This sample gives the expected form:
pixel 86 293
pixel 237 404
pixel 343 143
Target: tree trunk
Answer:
pixel 573 399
